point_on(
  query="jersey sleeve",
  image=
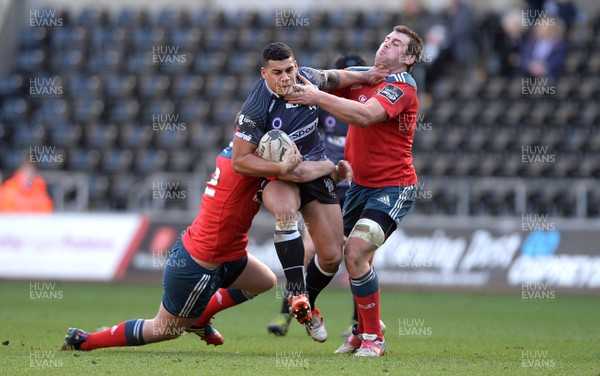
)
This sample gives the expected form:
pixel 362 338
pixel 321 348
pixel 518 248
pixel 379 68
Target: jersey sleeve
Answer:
pixel 316 76
pixel 250 122
pixel 395 97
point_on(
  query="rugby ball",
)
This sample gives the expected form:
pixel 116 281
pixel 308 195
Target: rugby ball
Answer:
pixel 273 145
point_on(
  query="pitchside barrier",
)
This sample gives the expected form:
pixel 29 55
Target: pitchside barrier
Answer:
pixel 533 253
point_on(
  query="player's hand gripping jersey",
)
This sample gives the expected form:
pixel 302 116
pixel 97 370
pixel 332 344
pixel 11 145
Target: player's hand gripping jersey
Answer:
pixel 264 110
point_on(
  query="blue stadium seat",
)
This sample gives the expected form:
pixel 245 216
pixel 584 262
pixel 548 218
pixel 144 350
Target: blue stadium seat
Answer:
pixel 132 18
pixel 108 37
pixel 120 86
pixel 116 161
pixel 93 16
pixel 84 86
pixel 100 136
pixel 87 110
pixel 153 86
pixel 193 110
pixel 84 160
pixel 209 63
pixel 186 86
pixel 25 135
pixel 135 136
pixel 150 160
pixel 67 61
pixel 188 39
pixel 121 111
pixel 14 109
pixel 171 18
pixel 33 37
pixel 64 135
pixel 101 62
pixel 31 61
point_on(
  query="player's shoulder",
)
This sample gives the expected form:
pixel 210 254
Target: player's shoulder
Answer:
pixel 256 106
pixel 402 78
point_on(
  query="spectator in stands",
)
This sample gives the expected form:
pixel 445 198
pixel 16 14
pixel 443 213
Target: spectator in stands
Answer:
pixel 450 46
pixel 508 43
pixel 566 10
pixel 25 192
pixel 545 51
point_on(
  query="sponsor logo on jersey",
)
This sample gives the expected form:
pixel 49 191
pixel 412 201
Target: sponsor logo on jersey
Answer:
pixel 362 98
pixel 392 93
pixel 243 119
pixel 290 105
pixel 305 131
pixel 356 86
pixel 243 136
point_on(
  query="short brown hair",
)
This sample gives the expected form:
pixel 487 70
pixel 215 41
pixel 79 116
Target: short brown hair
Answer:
pixel 415 46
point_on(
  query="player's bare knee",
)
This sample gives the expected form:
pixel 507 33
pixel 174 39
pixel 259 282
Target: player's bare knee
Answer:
pixel 268 282
pixel 330 262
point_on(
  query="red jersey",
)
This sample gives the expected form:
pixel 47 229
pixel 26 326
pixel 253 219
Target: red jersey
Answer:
pixel 220 231
pixel 381 154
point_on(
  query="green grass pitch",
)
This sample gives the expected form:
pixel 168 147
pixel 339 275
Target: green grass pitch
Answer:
pixel 427 334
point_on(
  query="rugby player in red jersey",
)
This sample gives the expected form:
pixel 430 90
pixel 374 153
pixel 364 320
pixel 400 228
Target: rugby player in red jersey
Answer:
pixel 210 257
pixel 382 122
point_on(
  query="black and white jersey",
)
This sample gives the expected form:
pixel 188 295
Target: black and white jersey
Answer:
pixel 264 110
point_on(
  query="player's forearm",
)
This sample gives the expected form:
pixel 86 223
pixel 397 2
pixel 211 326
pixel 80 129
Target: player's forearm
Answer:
pixel 308 171
pixel 251 165
pixel 338 78
pixel 346 110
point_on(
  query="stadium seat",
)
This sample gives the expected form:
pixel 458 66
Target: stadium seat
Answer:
pixel 132 18
pixel 83 160
pixel 186 86
pixel 171 18
pixel 25 135
pixel 150 160
pixel 67 61
pixel 69 38
pixel 64 135
pixel 92 17
pixel 116 161
pixel 254 39
pixel 188 39
pixel 109 37
pixel 30 61
pixel 193 110
pixel 119 86
pixel 182 161
pixel 135 136
pixel 122 110
pixel 14 109
pixel 219 39
pixel 87 110
pixel 32 37
pixel 100 136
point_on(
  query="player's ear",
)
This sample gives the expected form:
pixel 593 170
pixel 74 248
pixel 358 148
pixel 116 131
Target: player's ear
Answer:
pixel 409 59
pixel 263 73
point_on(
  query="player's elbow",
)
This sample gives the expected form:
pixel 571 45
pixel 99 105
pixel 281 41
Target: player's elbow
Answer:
pixel 238 166
pixel 362 121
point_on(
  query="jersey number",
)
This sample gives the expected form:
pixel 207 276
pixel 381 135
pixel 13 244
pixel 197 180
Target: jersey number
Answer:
pixel 212 183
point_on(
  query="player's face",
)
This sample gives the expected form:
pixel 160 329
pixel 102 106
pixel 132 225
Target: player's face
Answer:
pixel 280 75
pixel 393 53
